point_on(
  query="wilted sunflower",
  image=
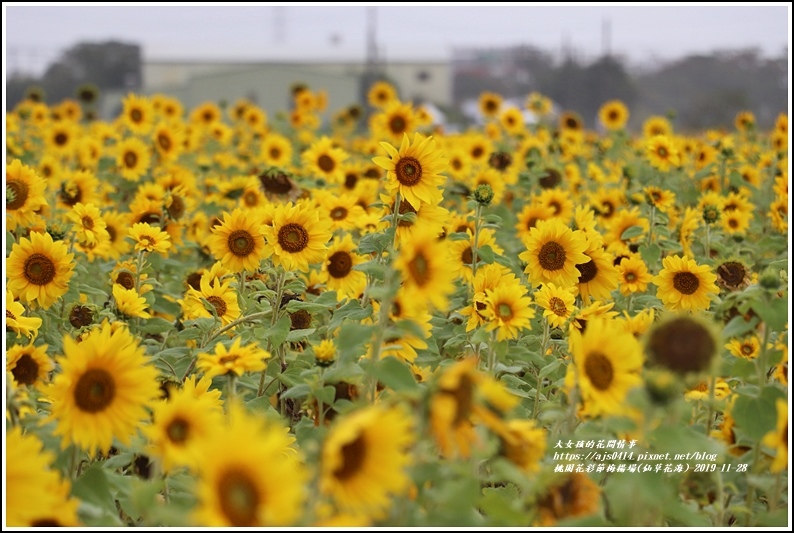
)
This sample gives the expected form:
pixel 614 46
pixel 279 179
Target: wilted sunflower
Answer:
pixel 324 160
pixel 24 195
pixel 608 362
pixel 297 237
pixel 235 360
pixel 16 320
pixel 685 285
pixel 39 269
pixel 613 115
pixel 28 364
pixel 413 170
pixel 553 253
pixel 364 459
pixel 422 263
pixel 103 390
pixel 238 242
pixel 261 484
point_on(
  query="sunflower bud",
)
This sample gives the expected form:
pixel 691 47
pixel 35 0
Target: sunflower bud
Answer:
pixel 483 194
pixel 711 214
pixel 769 280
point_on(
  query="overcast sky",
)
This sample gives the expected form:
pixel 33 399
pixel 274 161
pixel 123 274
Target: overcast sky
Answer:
pixel 35 35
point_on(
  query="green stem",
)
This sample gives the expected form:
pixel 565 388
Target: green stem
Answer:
pixel 234 323
pixel 232 388
pixel 761 361
pixel 475 244
pixel 138 268
pixel 653 222
pixel 710 410
pixel 543 346
pixel 776 492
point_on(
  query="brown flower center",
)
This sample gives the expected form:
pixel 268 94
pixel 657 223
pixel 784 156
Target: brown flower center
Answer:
pixel 194 280
pixel 467 256
pixel 408 170
pixel 178 430
pixel 88 222
pixel 599 370
pixel 275 152
pixel 630 277
pixel 587 271
pixel 464 399
pixel 130 159
pixel 81 316
pixel 177 208
pixel 239 498
pixel 94 391
pixel 136 116
pixel 219 305
pixel 339 264
pixel 300 319
pixel 293 237
pixel 558 307
pixel 19 193
pixel 686 282
pixel 39 269
pixel 241 243
pixel 126 280
pixel 326 163
pixel 61 138
pixel 164 141
pixel 551 256
pixel 550 179
pixel 338 213
pixel 278 184
pixel 26 370
pixel 354 455
pixel 397 125
pixel 500 160
pixel 419 268
pixel 405 207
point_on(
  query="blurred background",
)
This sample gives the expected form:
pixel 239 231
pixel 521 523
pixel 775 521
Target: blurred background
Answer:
pixel 699 65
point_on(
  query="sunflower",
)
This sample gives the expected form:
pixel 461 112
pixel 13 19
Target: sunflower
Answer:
pixel 338 273
pixel 24 195
pixel 137 114
pixel 422 263
pixel 529 217
pixel 735 222
pixel 169 140
pixel 508 310
pixel 129 303
pixel 261 484
pixel 89 226
pixel 662 153
pixel 597 277
pixel 633 275
pixel 16 320
pixel 104 389
pixel 656 125
pixel 576 495
pixel 395 121
pixel 297 237
pixel 553 251
pixel 364 459
pixel 432 217
pixel 512 120
pixel 239 241
pixel 571 121
pixel 607 363
pixel 462 256
pixel 778 437
pixel 36 495
pixel 276 150
pixel 381 94
pixel 413 170
pixel 746 348
pixel 523 444
pixel 614 115
pixel 222 298
pixel 205 114
pixel 342 209
pixel 179 424
pixel 489 277
pixel 149 238
pixel 28 364
pixel 559 201
pixel 133 158
pixel 323 160
pixel 235 360
pixel 61 139
pixel 490 104
pixel 557 303
pixel 700 391
pixel 685 285
pixel 39 269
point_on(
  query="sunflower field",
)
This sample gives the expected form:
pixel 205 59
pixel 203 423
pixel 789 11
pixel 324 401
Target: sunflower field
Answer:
pixel 216 317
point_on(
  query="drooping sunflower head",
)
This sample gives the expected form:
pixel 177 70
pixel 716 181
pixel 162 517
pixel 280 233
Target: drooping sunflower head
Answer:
pixel 686 345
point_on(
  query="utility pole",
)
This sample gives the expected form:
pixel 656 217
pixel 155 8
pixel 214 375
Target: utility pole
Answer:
pixel 370 73
pixel 606 38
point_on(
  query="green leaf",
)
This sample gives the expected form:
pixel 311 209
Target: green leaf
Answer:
pixel 94 487
pixel 485 254
pixel 299 334
pixel 502 506
pixel 278 333
pixel 774 313
pixel 650 253
pixel 631 232
pixel 755 416
pixel 351 339
pixel 374 242
pixel 738 327
pixel 395 374
pixel 350 312
pixel 301 390
pixel 458 236
pixel 373 268
pixel 156 325
pixel 327 394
